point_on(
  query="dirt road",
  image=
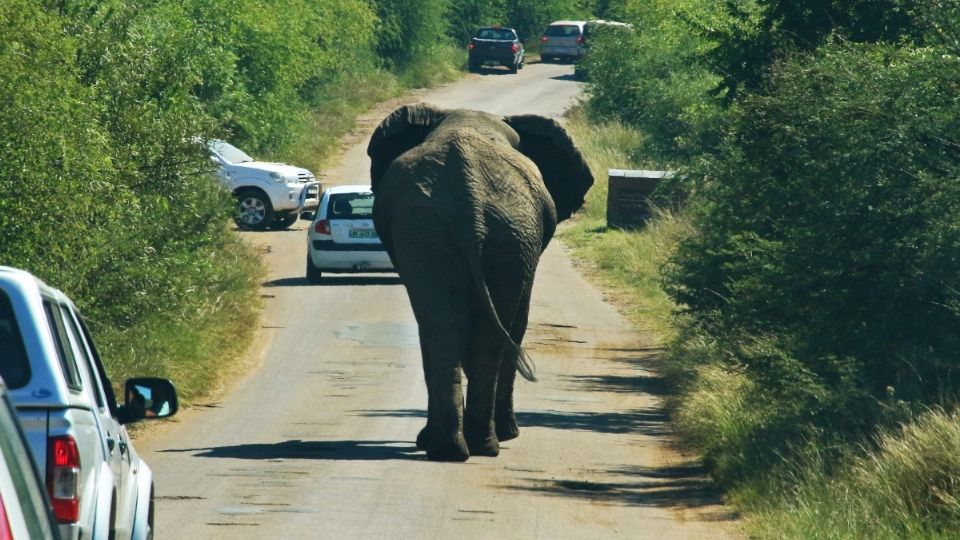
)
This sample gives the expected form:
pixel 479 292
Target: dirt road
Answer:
pixel 317 441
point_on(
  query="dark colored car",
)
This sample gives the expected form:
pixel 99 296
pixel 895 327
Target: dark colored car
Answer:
pixel 495 46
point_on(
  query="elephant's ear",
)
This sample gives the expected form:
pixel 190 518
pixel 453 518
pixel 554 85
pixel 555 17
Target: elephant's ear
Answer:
pixel 403 129
pixel 564 170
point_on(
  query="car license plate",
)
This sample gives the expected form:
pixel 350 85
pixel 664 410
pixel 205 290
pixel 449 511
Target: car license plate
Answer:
pixel 363 233
pixel 491 63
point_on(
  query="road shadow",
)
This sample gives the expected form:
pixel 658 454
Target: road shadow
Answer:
pixel 338 281
pixel 645 361
pixel 321 450
pixel 567 77
pixel 648 421
pixel 493 71
pixel 647 384
pixel 684 486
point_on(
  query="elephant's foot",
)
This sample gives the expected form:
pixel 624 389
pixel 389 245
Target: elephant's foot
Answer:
pixel 507 428
pixel 483 445
pixel 455 450
pixel 423 438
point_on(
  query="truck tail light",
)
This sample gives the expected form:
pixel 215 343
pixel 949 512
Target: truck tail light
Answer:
pixel 471 47
pixel 543 39
pixel 322 226
pixel 579 40
pixel 5 533
pixel 63 478
pixel 514 48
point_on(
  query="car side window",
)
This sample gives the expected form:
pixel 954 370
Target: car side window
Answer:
pixel 98 367
pixel 65 352
pixel 14 364
pixel 73 333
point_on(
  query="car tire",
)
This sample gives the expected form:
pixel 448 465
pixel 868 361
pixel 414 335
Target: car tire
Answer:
pixel 313 273
pixel 254 210
pixel 282 223
pixel 514 67
pixel 473 67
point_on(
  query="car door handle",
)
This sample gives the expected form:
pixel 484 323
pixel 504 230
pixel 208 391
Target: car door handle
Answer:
pixel 112 443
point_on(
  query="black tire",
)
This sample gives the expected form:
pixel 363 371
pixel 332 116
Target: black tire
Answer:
pixel 313 273
pixel 281 223
pixel 254 210
pixel 473 67
pixel 514 67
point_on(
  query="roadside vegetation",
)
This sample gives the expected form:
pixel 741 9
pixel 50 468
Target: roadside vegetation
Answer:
pixel 802 270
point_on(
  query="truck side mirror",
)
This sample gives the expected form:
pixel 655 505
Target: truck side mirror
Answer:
pixel 148 397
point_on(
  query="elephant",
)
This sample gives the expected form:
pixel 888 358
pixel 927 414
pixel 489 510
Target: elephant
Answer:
pixel 465 202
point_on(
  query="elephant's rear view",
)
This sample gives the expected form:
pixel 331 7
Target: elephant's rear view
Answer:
pixel 465 203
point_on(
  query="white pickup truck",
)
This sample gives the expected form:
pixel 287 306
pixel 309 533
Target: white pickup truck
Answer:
pixel 268 194
pixel 97 483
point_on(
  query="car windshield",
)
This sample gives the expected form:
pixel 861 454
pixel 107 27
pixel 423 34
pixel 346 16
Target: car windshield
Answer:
pixel 14 366
pixel 351 206
pixel 562 30
pixel 495 33
pixel 229 152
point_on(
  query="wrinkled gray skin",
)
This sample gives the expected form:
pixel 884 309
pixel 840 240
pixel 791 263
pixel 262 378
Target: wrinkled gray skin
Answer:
pixel 465 203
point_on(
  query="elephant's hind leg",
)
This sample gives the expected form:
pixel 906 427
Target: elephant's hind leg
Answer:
pixel 481 367
pixel 504 417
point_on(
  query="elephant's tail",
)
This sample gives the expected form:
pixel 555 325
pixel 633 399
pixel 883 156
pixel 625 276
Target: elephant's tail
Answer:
pixel 525 365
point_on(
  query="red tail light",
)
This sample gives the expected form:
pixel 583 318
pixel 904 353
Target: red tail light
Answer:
pixel 514 48
pixel 579 40
pixel 5 533
pixel 471 46
pixel 63 478
pixel 543 39
pixel 322 226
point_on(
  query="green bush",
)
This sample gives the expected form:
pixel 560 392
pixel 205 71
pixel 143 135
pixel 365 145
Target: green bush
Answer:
pixel 654 77
pixel 825 260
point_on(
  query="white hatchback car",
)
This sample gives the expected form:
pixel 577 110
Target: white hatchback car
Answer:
pixel 342 238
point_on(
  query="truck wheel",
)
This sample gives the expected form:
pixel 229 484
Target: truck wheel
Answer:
pixel 281 223
pixel 254 210
pixel 473 67
pixel 514 67
pixel 313 273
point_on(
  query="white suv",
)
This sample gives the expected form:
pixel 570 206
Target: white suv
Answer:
pixel 268 194
pixel 97 483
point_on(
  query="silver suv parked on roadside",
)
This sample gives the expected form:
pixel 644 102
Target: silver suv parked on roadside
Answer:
pixel 97 483
pixel 562 40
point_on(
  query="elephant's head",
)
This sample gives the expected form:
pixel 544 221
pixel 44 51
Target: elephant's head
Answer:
pixel 565 172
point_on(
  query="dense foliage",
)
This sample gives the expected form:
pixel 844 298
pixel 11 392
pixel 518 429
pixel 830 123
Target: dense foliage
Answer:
pixel 816 289
pixel 830 236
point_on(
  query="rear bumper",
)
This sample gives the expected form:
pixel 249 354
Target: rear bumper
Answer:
pixel 329 257
pixel 495 59
pixel 565 52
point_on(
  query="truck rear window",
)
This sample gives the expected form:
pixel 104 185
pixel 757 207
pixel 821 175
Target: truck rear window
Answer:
pixel 495 33
pixel 14 365
pixel 562 30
